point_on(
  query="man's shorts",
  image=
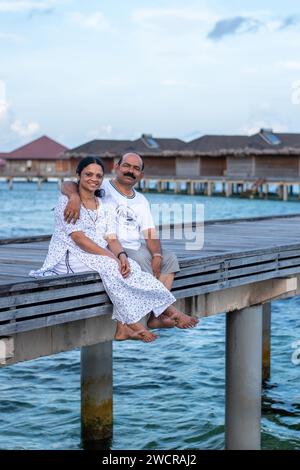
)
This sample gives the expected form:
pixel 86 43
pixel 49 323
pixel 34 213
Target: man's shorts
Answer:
pixel 143 257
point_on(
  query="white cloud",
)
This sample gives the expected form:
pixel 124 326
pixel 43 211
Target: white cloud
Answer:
pixel 4 104
pixel 11 37
pixel 179 83
pixel 25 5
pixel 153 14
pixel 170 20
pixel 290 64
pixel 250 70
pixel 24 130
pixel 104 131
pixel 12 130
pixel 94 20
pixel 255 126
pixel 170 82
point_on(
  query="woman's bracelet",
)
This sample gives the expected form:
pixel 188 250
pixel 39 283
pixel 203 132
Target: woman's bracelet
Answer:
pixel 122 253
pixel 157 254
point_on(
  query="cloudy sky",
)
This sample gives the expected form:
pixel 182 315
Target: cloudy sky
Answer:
pixel 79 70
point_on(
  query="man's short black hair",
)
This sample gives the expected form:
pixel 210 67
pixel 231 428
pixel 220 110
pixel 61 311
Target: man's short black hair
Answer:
pixel 121 159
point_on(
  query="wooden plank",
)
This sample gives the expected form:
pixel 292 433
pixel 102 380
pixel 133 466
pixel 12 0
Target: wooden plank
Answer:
pixel 229 274
pixel 28 325
pixel 196 269
pixel 50 295
pixel 248 260
pixel 7 241
pixel 240 272
pixel 15 270
pixel 53 307
pixel 11 278
pixel 289 262
pixel 196 279
pixel 183 293
pixel 24 259
pixel 48 282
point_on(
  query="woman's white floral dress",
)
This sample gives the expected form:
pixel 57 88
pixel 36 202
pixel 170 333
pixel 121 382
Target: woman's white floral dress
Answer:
pixel 132 297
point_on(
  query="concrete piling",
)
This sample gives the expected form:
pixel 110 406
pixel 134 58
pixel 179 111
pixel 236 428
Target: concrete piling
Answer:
pixel 96 395
pixel 266 341
pixel 243 378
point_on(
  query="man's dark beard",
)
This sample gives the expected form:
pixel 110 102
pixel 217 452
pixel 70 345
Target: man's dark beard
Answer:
pixel 130 175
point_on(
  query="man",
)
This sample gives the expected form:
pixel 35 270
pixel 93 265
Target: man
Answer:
pixel 134 222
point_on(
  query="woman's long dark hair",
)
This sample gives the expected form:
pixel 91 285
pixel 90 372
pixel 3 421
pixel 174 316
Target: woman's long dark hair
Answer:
pixel 87 161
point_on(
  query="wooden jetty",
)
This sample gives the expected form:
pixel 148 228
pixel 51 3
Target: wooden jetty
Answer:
pixel 243 266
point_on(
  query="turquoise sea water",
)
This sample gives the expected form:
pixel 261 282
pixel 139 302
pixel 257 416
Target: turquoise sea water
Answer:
pixel 168 394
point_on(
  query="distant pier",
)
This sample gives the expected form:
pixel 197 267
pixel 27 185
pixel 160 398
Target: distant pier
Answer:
pixel 282 189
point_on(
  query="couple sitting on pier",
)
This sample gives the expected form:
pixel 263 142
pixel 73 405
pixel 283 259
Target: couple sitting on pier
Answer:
pixel 94 227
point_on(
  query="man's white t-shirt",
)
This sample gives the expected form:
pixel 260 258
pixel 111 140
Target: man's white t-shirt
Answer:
pixel 133 215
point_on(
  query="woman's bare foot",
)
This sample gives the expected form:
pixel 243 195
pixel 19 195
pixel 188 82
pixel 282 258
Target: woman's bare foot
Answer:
pixel 163 321
pixel 181 319
pixel 135 331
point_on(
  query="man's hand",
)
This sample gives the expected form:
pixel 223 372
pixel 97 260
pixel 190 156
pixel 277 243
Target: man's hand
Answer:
pixel 124 265
pixel 72 210
pixel 156 266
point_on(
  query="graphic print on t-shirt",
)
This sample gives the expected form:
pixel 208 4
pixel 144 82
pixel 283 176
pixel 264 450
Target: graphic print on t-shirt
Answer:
pixel 126 217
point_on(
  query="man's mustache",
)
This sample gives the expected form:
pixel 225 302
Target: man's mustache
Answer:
pixel 130 175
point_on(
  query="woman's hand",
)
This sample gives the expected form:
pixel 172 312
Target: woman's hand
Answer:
pixel 124 265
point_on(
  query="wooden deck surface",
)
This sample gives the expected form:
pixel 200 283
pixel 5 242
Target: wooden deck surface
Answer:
pixel 235 252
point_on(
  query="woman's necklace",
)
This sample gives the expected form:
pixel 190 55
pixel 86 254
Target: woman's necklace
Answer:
pixel 94 220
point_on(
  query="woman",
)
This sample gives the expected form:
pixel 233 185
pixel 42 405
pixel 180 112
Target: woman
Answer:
pixel 91 244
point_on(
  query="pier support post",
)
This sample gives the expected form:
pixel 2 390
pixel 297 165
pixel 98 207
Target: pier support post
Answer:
pixel 191 191
pixel 228 189
pixel 279 191
pixel 96 395
pixel 266 191
pixel 285 192
pixel 209 188
pixel 266 341
pixel 243 378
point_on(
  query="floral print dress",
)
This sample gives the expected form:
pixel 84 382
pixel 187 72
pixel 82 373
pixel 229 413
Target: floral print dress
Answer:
pixel 132 297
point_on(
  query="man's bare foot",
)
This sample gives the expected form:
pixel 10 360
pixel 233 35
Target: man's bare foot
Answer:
pixel 181 319
pixel 163 321
pixel 138 327
pixel 125 332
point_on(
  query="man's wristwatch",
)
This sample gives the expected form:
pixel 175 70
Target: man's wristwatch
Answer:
pixel 122 253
